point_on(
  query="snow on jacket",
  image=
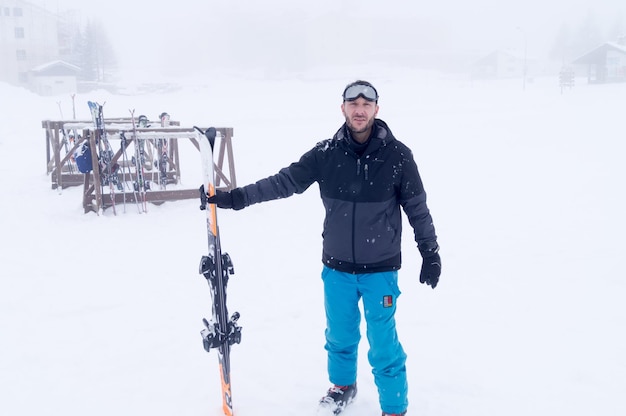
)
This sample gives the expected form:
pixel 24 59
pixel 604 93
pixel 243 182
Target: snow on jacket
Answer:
pixel 362 191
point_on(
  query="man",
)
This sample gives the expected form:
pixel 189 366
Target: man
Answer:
pixel 365 175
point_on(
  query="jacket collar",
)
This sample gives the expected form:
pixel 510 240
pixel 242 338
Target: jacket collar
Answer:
pixel 381 136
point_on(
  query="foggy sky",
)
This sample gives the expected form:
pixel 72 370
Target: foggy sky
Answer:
pixel 185 30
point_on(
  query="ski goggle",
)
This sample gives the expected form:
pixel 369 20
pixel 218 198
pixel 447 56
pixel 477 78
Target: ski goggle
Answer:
pixel 360 90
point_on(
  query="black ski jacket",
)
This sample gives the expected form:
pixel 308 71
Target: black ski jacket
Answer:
pixel 362 188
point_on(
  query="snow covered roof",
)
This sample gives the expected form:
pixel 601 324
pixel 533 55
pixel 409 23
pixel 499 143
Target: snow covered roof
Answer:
pixel 57 67
pixel 599 53
pixel 618 46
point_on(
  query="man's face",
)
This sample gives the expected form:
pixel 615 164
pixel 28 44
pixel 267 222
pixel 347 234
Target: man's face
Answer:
pixel 359 114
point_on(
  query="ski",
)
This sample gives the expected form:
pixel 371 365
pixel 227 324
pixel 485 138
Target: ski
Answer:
pixel 108 171
pixel 221 331
pixel 124 146
pixel 162 149
pixel 140 185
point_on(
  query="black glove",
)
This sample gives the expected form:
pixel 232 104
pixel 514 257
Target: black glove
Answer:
pixel 235 199
pixel 431 264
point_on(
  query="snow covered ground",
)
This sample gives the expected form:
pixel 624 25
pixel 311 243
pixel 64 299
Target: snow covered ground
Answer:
pixel 101 315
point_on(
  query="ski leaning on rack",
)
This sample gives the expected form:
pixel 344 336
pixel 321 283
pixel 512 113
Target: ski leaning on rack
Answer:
pixel 108 171
pixel 162 146
pixel 140 185
pixel 221 331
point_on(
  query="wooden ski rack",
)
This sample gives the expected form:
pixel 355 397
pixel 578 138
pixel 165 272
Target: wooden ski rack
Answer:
pixel 64 138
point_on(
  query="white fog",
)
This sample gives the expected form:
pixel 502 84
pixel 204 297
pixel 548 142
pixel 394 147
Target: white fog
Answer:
pixel 100 313
pixel 442 35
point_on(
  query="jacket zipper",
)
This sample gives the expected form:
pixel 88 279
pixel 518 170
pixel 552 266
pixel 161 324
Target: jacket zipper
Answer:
pixel 353 233
pixel 358 173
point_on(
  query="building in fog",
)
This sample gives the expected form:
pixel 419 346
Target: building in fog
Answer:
pixel 53 78
pixel 30 36
pixel 606 63
pixel 500 64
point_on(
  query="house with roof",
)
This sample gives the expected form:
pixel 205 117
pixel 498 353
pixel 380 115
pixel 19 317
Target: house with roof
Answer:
pixel 606 63
pixel 53 78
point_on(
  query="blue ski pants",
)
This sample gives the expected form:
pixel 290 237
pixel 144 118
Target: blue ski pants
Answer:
pixel 378 292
